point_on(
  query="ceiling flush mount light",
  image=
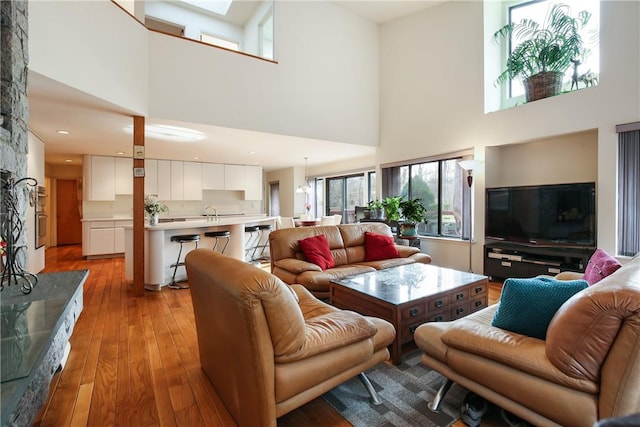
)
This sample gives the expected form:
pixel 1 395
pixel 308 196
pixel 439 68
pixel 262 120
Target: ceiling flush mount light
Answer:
pixel 120 153
pixel 68 160
pixel 169 133
pixel 63 132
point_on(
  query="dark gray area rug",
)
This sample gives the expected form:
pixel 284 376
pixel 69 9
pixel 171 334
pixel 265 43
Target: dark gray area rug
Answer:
pixel 405 390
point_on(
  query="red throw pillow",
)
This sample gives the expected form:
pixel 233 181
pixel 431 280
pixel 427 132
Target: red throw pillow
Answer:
pixel 316 250
pixel 378 247
pixel 600 266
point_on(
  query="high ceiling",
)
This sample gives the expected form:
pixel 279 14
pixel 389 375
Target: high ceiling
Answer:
pixel 97 127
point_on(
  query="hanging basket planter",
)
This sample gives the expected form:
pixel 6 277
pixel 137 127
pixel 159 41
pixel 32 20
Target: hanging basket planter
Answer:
pixel 543 85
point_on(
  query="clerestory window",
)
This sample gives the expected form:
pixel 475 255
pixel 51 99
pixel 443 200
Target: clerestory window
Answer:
pixel 587 68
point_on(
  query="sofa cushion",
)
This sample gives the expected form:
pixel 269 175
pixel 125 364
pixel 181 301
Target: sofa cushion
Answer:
pixel 600 265
pixel 316 250
pixel 378 246
pixel 528 305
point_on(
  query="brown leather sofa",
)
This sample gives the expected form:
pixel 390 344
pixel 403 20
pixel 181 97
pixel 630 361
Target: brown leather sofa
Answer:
pixel 587 369
pixel 267 347
pixel 346 242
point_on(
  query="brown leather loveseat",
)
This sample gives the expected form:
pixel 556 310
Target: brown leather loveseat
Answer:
pixel 269 348
pixel 347 245
pixel 587 368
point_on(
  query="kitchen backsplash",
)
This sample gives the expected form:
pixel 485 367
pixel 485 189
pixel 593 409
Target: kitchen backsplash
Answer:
pixel 225 202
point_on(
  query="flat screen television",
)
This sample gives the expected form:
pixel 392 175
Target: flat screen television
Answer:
pixel 553 215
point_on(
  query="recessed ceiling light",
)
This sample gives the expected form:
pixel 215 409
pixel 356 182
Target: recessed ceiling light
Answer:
pixel 196 158
pixel 120 153
pixel 169 133
pixel 68 160
pixel 252 152
pixel 63 132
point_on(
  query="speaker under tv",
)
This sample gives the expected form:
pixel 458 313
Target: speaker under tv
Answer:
pixel 558 215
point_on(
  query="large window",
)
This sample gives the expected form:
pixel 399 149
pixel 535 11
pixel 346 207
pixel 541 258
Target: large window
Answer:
pixel 439 184
pixel 537 11
pixel 339 195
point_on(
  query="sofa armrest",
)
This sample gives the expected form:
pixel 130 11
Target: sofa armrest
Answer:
pixel 309 304
pixel 331 331
pixel 413 253
pixel 406 251
pixel 569 275
pixel 296 266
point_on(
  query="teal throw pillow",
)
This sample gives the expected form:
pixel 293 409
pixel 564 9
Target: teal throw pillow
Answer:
pixel 528 305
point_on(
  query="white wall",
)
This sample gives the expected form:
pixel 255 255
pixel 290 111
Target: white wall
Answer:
pixel 93 46
pixel 432 101
pixel 564 159
pixel 324 86
pixel 35 169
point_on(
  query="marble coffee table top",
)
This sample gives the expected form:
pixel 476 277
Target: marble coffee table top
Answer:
pixel 406 283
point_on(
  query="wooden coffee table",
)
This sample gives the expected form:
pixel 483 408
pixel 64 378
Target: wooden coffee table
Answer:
pixel 410 295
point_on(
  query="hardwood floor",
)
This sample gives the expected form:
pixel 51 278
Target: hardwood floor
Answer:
pixel 134 360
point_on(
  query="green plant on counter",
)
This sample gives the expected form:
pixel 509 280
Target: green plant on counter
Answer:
pixel 153 206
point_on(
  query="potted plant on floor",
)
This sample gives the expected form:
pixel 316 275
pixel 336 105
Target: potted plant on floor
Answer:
pixel 546 50
pixel 412 212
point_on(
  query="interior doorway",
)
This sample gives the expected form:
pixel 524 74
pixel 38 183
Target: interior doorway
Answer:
pixel 274 198
pixel 68 224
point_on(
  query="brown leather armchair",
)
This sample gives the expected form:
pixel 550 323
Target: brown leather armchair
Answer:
pixel 268 347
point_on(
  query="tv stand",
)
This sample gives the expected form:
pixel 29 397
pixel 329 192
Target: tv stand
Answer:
pixel 510 259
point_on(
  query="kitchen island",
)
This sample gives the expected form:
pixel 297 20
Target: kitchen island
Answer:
pixel 160 252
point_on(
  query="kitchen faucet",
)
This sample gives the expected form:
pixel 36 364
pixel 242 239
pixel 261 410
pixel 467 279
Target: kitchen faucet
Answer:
pixel 207 211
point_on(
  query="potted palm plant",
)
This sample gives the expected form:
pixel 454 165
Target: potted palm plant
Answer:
pixel 412 212
pixel 546 50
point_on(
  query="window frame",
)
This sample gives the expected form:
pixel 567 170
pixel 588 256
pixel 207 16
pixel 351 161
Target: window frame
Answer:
pixel 391 172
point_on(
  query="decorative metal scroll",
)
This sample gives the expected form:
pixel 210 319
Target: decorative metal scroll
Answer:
pixel 11 229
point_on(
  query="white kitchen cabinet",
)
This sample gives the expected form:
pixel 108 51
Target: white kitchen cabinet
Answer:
pixel 102 241
pixel 233 177
pixel 192 181
pixel 253 183
pixel 177 180
pixel 123 175
pixel 150 177
pixel 118 235
pixel 164 179
pixel 99 178
pixel 212 176
pixel 103 238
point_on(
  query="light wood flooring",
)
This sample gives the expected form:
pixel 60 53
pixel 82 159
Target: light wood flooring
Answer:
pixel 134 360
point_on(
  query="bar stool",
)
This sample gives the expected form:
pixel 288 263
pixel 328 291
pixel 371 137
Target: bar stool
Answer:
pixel 182 239
pixel 262 228
pixel 250 244
pixel 219 235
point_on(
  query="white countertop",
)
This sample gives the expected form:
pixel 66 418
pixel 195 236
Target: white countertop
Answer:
pixel 179 217
pixel 109 218
pixel 200 222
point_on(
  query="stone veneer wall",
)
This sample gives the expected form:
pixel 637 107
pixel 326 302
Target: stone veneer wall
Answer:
pixel 14 107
